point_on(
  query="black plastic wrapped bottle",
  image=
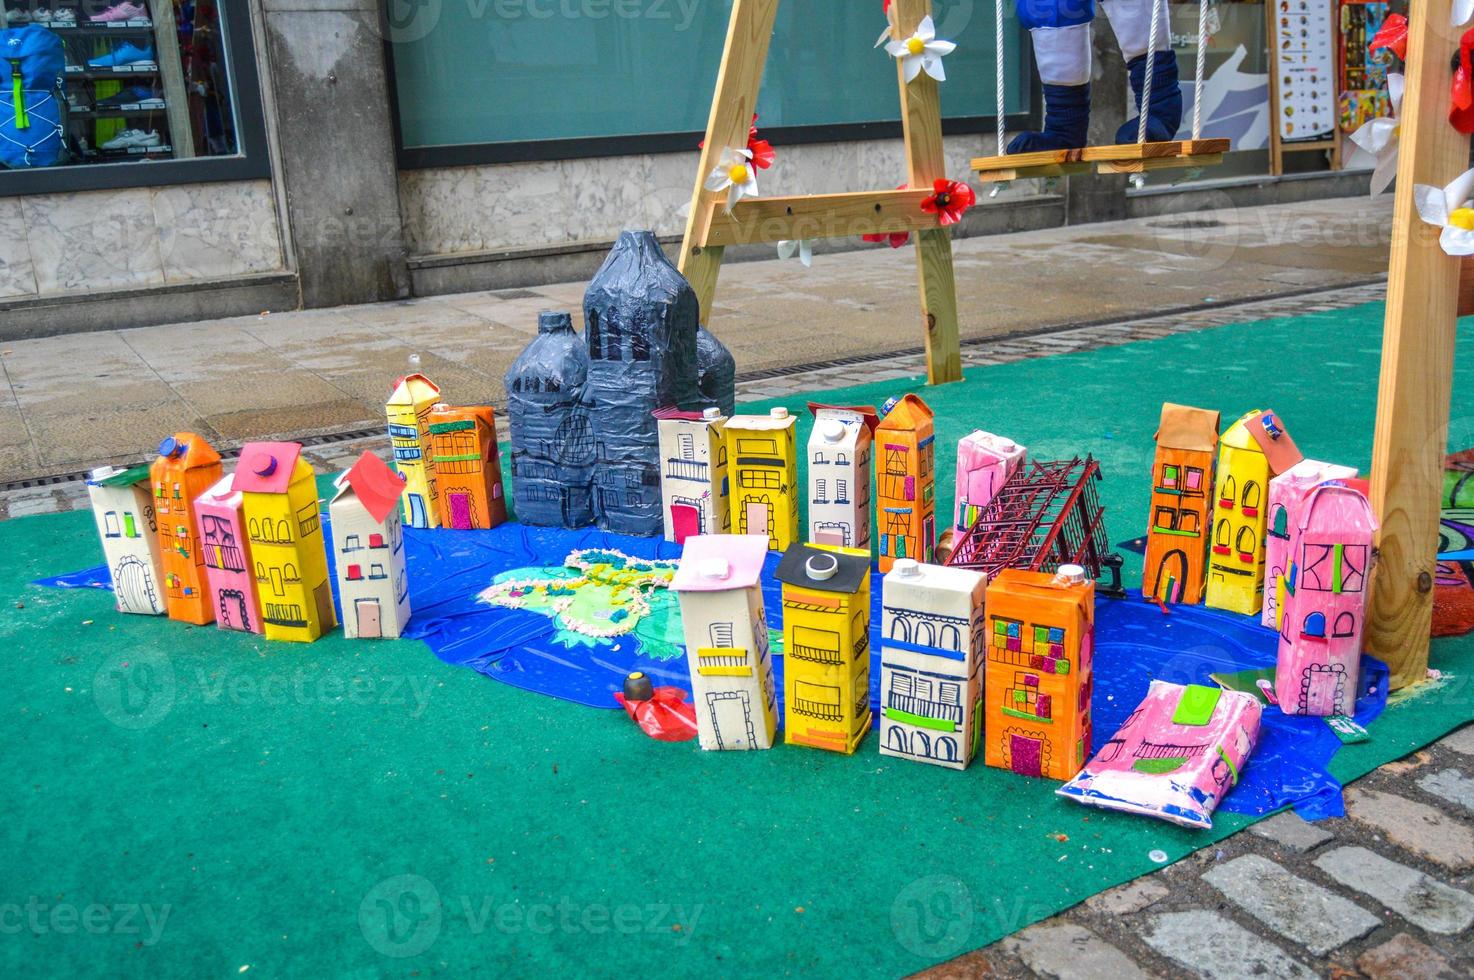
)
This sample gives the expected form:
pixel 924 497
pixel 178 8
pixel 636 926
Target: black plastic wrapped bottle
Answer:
pixel 640 315
pixel 552 442
pixel 716 373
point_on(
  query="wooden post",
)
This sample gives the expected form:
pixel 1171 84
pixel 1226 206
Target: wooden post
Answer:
pixel 921 122
pixel 1417 360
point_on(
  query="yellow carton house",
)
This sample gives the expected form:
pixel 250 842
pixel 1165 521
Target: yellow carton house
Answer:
pixel 279 494
pixel 408 410
pixel 826 646
pixel 762 460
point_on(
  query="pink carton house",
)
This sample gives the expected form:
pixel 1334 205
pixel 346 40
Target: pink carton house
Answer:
pixel 1175 758
pixel 984 464
pixel 1287 495
pixel 221 514
pixel 1325 603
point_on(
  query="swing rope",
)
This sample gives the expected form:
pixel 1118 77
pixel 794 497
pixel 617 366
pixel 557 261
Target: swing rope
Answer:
pixel 1151 64
pixel 1198 70
pixel 998 65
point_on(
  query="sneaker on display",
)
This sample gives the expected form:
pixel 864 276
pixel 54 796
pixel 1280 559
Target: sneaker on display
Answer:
pixel 122 11
pixel 13 17
pixel 131 95
pixel 66 17
pixel 126 55
pixel 130 138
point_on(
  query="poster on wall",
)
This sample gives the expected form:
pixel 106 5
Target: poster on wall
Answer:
pixel 1303 39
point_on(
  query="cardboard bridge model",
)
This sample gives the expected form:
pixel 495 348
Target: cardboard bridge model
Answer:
pixel 1046 515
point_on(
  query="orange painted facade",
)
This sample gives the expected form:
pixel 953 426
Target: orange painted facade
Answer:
pixel 1175 566
pixel 468 467
pixel 906 484
pixel 1038 675
pixel 186 467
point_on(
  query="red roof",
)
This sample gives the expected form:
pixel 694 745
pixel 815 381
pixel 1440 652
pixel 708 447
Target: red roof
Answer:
pixel 375 485
pixel 266 467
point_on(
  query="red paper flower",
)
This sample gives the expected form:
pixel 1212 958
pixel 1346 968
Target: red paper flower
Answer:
pixel 761 150
pixel 896 238
pixel 1461 113
pixel 949 201
pixel 1392 36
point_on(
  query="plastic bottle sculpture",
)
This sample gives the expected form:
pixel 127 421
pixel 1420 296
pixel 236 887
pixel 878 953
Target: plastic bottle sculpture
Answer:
pixel 716 373
pixel 552 443
pixel 641 316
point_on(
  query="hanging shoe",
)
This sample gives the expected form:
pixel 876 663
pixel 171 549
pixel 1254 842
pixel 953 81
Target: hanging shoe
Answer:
pixel 1164 114
pixel 1066 121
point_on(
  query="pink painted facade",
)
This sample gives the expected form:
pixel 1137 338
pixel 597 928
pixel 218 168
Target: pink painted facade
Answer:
pixel 1325 603
pixel 1176 757
pixel 227 551
pixel 984 464
pixel 1287 495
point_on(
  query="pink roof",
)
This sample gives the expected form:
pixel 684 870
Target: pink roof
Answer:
pixel 266 467
pixel 719 562
pixel 221 494
pixel 375 485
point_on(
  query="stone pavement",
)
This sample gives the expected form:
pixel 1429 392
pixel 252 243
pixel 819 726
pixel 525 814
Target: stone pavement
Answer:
pixel 1384 893
pixel 74 402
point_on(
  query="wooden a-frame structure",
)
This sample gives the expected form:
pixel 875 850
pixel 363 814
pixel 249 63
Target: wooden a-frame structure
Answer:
pixel 710 227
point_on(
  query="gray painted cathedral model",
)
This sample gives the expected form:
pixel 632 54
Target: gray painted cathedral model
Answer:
pixel 585 445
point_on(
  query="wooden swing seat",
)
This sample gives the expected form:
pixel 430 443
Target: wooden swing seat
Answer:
pixel 1121 158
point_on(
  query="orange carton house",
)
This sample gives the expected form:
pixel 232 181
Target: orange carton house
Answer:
pixel 186 467
pixel 905 483
pixel 1040 635
pixel 1175 567
pixel 468 468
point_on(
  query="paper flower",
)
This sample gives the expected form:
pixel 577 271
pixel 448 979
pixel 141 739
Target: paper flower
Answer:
pixel 1392 35
pixel 803 247
pixel 885 35
pixel 763 154
pixel 896 238
pixel 736 174
pixel 1449 208
pixel 949 201
pixel 1461 89
pixel 1376 139
pixel 922 52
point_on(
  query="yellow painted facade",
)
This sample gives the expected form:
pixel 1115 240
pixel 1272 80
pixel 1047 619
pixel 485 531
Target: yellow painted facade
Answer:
pixel 762 461
pixel 1240 511
pixel 408 412
pixel 826 644
pixel 290 557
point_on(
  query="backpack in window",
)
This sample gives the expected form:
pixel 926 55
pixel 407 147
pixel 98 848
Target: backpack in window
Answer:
pixel 32 72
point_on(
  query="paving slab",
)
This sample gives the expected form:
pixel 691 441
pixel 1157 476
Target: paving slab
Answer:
pixel 1134 896
pixel 1461 741
pixel 1216 948
pixel 1402 958
pixel 1418 898
pixel 1289 830
pixel 1415 826
pixel 1451 785
pixel 1303 912
pixel 1067 951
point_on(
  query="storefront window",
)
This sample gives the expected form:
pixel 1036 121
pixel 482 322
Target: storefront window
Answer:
pixel 638 70
pixel 109 84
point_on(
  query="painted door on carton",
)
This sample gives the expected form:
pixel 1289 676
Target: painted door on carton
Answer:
pixel 685 521
pixel 1170 575
pixel 460 511
pixel 417 516
pixel 368 618
pixel 757 518
pixel 830 535
pixel 1025 755
pixel 731 716
pixel 133 586
pixel 233 614
pixel 1322 691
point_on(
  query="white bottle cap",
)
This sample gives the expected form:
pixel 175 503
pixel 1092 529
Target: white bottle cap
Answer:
pixel 833 430
pixel 821 568
pixel 711 414
pixel 1071 575
pixel 907 568
pixel 778 413
pixel 716 569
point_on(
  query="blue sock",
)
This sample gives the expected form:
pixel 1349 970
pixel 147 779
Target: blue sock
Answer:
pixel 1164 113
pixel 1066 121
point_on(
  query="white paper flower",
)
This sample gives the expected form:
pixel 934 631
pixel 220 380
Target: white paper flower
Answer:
pixel 734 174
pixel 1376 139
pixel 803 247
pixel 922 52
pixel 1449 208
pixel 1461 12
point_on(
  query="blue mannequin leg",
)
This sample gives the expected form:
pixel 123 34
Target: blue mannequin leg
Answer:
pixel 1066 121
pixel 1164 113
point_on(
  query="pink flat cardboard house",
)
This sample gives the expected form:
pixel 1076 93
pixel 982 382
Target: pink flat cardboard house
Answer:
pixel 984 464
pixel 1287 495
pixel 1175 758
pixel 1325 603
pixel 229 573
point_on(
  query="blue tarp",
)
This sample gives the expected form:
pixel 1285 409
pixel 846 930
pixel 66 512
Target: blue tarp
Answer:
pixel 1135 643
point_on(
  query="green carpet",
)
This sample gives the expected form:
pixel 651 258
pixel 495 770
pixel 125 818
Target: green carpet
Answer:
pixel 182 802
